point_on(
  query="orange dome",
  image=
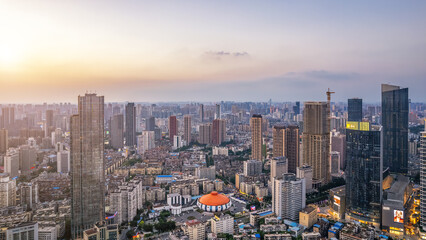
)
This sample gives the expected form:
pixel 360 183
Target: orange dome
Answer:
pixel 214 199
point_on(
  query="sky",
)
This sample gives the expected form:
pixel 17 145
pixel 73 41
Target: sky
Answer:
pixel 159 51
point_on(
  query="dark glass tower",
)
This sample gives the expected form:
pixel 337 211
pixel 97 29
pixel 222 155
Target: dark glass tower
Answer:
pixel 130 124
pixel 355 109
pixel 87 164
pixel 296 108
pixel 395 128
pixel 363 174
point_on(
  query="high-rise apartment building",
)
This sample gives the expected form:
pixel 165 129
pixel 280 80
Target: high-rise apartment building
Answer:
pixel 316 141
pixel 338 144
pixel 187 129
pixel 279 166
pixel 63 160
pixel 87 159
pixel 252 167
pixel 205 135
pixel 49 118
pixel 218 131
pixel 130 133
pixel 256 137
pixel 4 141
pixel 278 141
pixel 7 190
pixel 117 131
pixel 173 127
pixel 355 109
pixel 150 124
pixel 305 172
pixel 395 108
pixel 363 172
pixel 11 162
pixel 223 224
pixel 289 196
pixel 286 140
pixel 195 229
pixel 145 141
pixel 27 158
pixel 7 117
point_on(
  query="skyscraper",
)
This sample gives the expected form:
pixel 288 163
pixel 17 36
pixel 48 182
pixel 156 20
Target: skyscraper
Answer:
pixel 256 137
pixel 87 159
pixel 49 118
pixel 205 134
pixel 395 128
pixel 201 112
pixel 218 131
pixel 7 190
pixel 173 127
pixel 355 109
pixel 217 113
pixel 423 180
pixel 316 141
pixel 4 141
pixel 363 173
pixel 146 141
pixel 150 124
pixel 130 124
pixel 286 143
pixel 187 129
pixel 117 131
pixel 296 108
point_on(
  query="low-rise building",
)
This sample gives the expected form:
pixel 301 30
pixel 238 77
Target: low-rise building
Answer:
pixel 308 216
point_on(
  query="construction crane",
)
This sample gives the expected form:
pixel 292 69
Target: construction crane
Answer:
pixel 329 95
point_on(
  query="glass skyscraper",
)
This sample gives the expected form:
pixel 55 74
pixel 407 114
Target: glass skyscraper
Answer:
pixel 363 173
pixel 355 109
pixel 87 164
pixel 395 128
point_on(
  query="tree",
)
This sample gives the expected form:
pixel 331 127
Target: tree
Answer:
pixel 130 234
pixel 148 227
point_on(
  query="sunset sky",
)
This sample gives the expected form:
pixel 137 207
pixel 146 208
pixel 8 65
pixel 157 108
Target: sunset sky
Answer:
pixel 52 51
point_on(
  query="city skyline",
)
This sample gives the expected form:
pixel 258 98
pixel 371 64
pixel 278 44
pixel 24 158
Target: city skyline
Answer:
pixel 150 52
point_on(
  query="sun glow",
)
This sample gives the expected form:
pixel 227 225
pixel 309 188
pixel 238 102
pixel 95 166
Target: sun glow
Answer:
pixel 10 58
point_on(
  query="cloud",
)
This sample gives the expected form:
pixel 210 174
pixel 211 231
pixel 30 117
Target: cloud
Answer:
pixel 219 55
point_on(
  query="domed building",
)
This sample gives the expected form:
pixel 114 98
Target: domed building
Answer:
pixel 214 202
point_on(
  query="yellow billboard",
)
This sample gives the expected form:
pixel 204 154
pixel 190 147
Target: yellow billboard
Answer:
pixel 361 126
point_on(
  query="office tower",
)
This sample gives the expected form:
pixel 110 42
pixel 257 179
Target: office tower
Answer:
pixel 11 162
pixel 27 158
pixel 256 137
pixel 289 196
pixel 217 112
pixel 223 224
pixel 296 108
pixel 187 129
pixel 87 159
pixel 395 128
pixel 201 113
pixel 279 166
pixel 4 141
pixel 130 133
pixel 316 141
pixel 338 144
pixel 305 172
pixel 423 180
pixel 363 173
pixel 117 131
pixel 150 124
pixel 63 161
pixel 205 133
pixel 173 127
pixel 252 167
pixel 291 147
pixel 145 141
pixel 334 163
pixel 218 131
pixel 355 109
pixel 7 190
